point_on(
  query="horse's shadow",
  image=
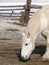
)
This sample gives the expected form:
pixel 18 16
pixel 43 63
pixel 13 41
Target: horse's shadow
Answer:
pixel 38 50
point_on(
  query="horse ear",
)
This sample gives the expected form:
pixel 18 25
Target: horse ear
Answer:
pixel 23 37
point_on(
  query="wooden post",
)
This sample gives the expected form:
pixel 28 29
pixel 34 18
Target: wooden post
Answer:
pixel 27 11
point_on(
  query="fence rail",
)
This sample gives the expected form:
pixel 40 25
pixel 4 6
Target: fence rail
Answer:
pixel 11 11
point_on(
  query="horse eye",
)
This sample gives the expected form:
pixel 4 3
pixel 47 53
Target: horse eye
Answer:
pixel 26 44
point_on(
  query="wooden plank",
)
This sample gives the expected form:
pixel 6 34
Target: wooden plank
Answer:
pixel 12 16
pixel 12 6
pixel 36 6
pixel 10 9
pixel 13 13
pixel 9 18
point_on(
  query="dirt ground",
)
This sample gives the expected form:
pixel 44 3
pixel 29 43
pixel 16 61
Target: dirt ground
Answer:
pixel 10 45
pixel 10 55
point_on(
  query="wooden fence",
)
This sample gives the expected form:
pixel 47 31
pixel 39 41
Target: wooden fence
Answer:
pixel 24 14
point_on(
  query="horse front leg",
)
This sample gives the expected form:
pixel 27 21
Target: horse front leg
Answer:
pixel 46 55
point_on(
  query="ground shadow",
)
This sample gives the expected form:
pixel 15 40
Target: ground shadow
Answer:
pixel 39 50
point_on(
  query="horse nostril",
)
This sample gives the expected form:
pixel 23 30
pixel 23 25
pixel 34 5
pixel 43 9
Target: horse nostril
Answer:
pixel 24 57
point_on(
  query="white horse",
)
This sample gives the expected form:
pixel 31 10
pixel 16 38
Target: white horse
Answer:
pixel 39 23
